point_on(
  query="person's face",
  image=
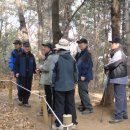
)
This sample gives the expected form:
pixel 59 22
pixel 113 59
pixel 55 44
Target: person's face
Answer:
pixel 46 49
pixel 17 46
pixel 114 45
pixel 82 46
pixel 26 49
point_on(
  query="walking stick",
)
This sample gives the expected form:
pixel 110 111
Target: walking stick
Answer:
pixel 106 82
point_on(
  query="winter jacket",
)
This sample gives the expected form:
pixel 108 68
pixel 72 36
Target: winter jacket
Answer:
pixel 64 71
pixel 12 58
pixel 117 67
pixel 85 65
pixel 25 64
pixel 45 68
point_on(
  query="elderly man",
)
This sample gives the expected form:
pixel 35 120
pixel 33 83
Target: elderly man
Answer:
pixel 117 68
pixel 85 75
pixel 25 67
pixel 64 76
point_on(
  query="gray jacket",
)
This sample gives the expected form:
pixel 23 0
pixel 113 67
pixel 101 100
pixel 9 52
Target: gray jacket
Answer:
pixel 45 68
pixel 63 71
pixel 117 67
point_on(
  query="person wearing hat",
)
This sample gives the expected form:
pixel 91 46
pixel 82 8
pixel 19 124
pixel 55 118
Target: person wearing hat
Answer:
pixel 64 76
pixel 14 53
pixel 117 68
pixel 25 67
pixel 85 75
pixel 44 69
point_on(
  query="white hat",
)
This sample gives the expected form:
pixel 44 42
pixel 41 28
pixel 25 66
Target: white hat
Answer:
pixel 63 44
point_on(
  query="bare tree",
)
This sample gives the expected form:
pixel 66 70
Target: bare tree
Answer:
pixel 108 95
pixel 55 22
pixel 22 32
pixel 40 23
pixel 128 33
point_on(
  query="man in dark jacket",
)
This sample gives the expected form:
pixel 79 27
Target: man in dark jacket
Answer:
pixel 117 68
pixel 64 76
pixel 18 49
pixel 25 67
pixel 85 74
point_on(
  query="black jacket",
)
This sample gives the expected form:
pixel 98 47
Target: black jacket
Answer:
pixel 117 66
pixel 25 64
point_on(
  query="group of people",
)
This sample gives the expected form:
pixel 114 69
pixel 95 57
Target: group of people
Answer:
pixel 60 71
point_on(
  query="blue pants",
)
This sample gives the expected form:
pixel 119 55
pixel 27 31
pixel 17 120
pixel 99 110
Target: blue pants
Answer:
pixel 120 101
pixel 84 95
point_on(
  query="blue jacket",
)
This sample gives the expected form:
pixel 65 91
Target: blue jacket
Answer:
pixel 25 64
pixel 64 71
pixel 12 58
pixel 85 65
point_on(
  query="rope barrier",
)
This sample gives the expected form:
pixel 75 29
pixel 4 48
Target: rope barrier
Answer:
pixel 65 126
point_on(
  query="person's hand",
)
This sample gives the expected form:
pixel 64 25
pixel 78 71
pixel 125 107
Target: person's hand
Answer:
pixel 17 75
pixel 82 78
pixel 105 69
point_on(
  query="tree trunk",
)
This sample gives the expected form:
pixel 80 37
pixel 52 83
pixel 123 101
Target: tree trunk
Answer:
pixel 55 22
pixel 115 19
pixel 22 32
pixel 40 23
pixel 128 34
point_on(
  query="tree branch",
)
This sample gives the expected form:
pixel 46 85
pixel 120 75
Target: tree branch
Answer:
pixel 69 20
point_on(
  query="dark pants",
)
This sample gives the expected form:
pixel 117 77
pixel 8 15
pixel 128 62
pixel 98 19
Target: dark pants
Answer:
pixel 24 95
pixel 50 95
pixel 65 100
pixel 120 101
pixel 83 93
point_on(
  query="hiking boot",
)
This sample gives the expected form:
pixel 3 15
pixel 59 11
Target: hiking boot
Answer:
pixel 125 117
pixel 27 105
pixel 74 127
pixel 87 111
pixel 82 109
pixel 19 103
pixel 40 113
pixel 54 127
pixel 113 121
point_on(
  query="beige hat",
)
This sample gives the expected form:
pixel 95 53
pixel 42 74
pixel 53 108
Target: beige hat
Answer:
pixel 63 44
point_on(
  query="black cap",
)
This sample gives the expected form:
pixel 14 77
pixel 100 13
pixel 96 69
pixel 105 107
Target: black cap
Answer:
pixel 49 45
pixel 26 44
pixel 116 39
pixel 17 42
pixel 82 40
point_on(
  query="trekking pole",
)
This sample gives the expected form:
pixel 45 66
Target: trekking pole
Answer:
pixel 52 104
pixel 104 92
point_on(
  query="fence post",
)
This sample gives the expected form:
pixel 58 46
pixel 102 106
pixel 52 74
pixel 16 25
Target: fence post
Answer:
pixel 67 120
pixel 45 112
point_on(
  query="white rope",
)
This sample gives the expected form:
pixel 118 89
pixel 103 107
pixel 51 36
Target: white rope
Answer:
pixel 65 126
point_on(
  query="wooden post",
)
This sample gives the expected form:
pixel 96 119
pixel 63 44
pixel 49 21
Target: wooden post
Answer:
pixel 67 120
pixel 10 92
pixel 45 112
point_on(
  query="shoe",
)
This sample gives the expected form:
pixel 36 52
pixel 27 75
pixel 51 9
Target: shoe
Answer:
pixel 82 109
pixel 87 111
pixel 125 117
pixel 40 113
pixel 54 127
pixel 74 127
pixel 20 103
pixel 113 121
pixel 26 105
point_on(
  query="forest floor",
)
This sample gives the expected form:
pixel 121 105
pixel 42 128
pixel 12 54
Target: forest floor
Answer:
pixel 14 117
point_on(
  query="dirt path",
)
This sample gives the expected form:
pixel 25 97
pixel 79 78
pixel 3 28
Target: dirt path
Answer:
pixel 14 117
